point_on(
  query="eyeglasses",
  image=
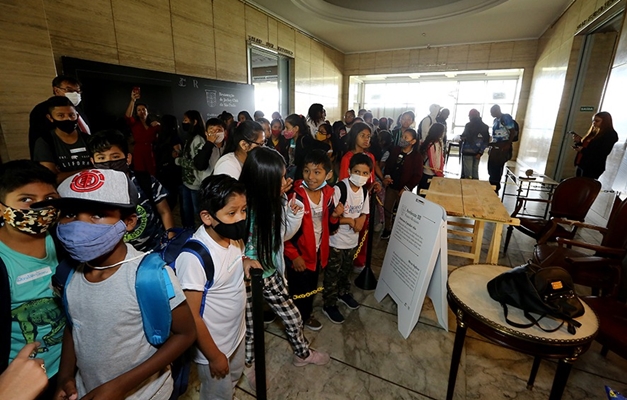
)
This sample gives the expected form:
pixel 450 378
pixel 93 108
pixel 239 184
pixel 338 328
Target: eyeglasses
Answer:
pixel 69 89
pixel 257 143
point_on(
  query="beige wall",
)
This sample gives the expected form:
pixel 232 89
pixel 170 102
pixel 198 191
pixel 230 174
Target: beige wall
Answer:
pixel 195 37
pixel 552 90
pixel 501 55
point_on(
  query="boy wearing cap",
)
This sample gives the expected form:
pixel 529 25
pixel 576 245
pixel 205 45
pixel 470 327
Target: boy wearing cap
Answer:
pixel 105 352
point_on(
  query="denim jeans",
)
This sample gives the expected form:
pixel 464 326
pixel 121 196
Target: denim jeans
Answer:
pixel 190 206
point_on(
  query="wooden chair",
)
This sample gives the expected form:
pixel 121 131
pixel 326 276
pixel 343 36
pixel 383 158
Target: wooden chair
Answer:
pixel 601 270
pixel 572 199
pixel 612 315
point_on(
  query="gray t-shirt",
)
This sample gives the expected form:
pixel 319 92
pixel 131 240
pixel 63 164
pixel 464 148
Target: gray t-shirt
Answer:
pixel 108 335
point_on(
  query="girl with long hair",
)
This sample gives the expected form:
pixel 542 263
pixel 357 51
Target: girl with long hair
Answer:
pixel 272 219
pixel 315 117
pixel 247 136
pixel 433 155
pixel 593 149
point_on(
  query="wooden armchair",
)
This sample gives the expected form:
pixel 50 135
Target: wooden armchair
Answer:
pixel 601 270
pixel 612 315
pixel 572 199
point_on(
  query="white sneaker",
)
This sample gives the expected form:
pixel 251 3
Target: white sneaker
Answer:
pixel 315 357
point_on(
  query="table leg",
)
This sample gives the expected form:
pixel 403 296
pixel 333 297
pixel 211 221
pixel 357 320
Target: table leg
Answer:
pixel 534 372
pixel 495 244
pixel 561 377
pixel 460 335
pixel 477 239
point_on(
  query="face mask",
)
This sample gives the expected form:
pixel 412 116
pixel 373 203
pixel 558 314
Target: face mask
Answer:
pixel 235 231
pixel 219 137
pixel 67 125
pixel 86 242
pixel 186 126
pixel 289 134
pixel 276 132
pixel 117 165
pixel 321 136
pixel 358 180
pixel 403 143
pixel 74 97
pixel 318 188
pixel 30 220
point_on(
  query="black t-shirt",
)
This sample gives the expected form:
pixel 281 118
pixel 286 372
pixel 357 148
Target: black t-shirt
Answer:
pixel 67 157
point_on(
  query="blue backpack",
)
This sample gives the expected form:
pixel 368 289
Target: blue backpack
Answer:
pixel 154 304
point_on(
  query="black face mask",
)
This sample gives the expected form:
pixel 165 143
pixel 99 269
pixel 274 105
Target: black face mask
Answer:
pixel 186 126
pixel 235 231
pixel 68 126
pixel 116 165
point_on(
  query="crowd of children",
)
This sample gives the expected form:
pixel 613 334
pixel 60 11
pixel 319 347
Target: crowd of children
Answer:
pixel 258 195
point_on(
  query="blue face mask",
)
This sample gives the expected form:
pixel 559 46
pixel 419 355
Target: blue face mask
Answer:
pixel 85 242
pixel 318 188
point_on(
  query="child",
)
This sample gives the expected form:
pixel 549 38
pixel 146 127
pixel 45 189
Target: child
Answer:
pixel 109 150
pixel 345 241
pixel 432 151
pixel 28 260
pixel 276 140
pixel 308 251
pixel 271 221
pixel 218 309
pixel 105 352
pixel 247 136
pixel 403 171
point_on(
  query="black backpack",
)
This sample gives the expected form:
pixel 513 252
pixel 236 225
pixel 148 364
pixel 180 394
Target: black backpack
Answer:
pixel 344 192
pixel 545 291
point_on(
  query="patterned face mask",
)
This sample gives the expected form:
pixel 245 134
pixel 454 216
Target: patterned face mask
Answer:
pixel 32 220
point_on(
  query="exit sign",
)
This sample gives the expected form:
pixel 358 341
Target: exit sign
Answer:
pixel 586 108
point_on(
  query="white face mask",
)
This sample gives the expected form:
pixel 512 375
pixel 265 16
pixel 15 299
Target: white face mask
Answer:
pixel 219 137
pixel 74 97
pixel 358 180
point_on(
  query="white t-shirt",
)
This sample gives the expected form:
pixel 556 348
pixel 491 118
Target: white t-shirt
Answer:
pixel 225 303
pixel 316 217
pixel 346 237
pixel 108 333
pixel 228 164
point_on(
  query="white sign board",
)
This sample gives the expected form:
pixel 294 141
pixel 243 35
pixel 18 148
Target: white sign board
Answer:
pixel 416 262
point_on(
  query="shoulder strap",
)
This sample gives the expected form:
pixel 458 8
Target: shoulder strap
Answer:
pixel 343 192
pixel 201 251
pixel 154 290
pixel 64 274
pixel 5 317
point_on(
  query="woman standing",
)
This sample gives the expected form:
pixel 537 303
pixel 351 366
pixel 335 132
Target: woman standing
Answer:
pixel 315 117
pixel 593 149
pixel 433 155
pixel 144 135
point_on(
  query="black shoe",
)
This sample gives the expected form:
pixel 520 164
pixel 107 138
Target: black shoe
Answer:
pixel 334 314
pixel 385 235
pixel 349 301
pixel 268 317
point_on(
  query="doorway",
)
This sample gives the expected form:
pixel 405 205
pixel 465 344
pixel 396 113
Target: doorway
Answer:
pixel 269 73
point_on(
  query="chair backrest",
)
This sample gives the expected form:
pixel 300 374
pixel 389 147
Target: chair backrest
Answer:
pixel 573 197
pixel 616 235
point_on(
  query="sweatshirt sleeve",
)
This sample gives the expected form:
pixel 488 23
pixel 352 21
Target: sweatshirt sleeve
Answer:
pixel 201 160
pixel 292 221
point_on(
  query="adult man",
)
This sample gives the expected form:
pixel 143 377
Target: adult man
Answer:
pixel 349 118
pixel 63 150
pixel 425 124
pixel 64 86
pixel 501 145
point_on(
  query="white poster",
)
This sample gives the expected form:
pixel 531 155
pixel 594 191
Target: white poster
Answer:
pixel 415 263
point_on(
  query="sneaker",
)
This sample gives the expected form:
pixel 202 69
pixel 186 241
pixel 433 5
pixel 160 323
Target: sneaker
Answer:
pixel 251 377
pixel 313 324
pixel 268 317
pixel 385 235
pixel 358 270
pixel 334 314
pixel 350 302
pixel 315 357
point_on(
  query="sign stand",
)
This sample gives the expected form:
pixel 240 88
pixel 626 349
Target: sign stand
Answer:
pixel 416 262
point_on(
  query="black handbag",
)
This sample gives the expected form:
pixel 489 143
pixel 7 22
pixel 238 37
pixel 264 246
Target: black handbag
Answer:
pixel 545 291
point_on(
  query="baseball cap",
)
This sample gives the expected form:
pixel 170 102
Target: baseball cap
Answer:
pixel 98 187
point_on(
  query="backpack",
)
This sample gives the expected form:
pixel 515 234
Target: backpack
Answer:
pixel 419 131
pixel 545 291
pixel 344 192
pixel 154 304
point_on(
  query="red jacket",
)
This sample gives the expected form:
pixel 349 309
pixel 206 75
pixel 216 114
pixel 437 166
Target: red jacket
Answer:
pixel 303 243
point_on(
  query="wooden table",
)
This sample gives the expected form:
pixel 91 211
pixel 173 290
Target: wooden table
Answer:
pixel 476 200
pixel 468 297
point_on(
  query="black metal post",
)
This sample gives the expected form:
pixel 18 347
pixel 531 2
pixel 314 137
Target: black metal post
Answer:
pixel 258 332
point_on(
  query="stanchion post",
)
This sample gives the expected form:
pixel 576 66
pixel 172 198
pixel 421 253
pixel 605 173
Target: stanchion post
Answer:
pixel 258 332
pixel 366 279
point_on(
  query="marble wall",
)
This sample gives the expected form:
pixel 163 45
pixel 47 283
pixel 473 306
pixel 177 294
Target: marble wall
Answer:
pixel 195 37
pixel 552 90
